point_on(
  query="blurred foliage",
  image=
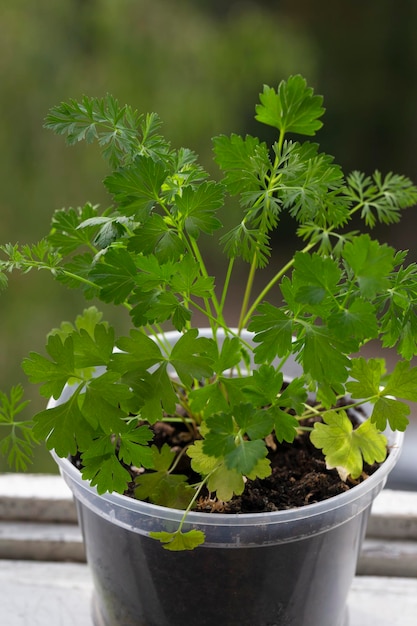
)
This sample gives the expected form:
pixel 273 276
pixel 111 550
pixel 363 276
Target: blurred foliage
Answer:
pixel 200 65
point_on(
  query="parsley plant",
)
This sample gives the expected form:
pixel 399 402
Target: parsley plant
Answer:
pixel 340 290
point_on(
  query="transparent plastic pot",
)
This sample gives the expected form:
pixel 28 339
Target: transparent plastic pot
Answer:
pixel 285 568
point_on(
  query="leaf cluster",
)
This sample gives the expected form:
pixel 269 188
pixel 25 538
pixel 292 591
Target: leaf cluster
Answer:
pixel 147 254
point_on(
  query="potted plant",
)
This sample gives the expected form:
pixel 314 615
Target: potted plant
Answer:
pixel 223 474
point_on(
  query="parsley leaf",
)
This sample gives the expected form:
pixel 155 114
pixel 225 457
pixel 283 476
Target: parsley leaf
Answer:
pixel 189 358
pixel 178 540
pixel 161 487
pixel 371 263
pixel 53 374
pixel 345 448
pixel 273 332
pixel 17 445
pixel 292 108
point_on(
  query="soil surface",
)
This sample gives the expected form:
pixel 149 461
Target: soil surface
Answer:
pixel 299 475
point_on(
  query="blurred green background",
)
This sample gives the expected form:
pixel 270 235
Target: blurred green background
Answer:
pixel 201 65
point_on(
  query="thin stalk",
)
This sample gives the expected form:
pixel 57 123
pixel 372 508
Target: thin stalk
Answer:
pixel 193 500
pixel 214 300
pixel 246 297
pixel 269 286
pixel 227 283
pixel 223 325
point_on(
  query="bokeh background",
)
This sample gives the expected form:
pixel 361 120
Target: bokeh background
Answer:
pixel 201 65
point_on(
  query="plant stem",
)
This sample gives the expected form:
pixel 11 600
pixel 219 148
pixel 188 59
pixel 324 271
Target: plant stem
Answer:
pixel 271 283
pixel 246 296
pixel 227 283
pixel 217 307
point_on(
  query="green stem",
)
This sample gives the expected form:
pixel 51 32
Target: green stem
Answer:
pixel 247 293
pixel 280 143
pixel 222 324
pixel 226 283
pixel 193 500
pixel 214 300
pixel 269 286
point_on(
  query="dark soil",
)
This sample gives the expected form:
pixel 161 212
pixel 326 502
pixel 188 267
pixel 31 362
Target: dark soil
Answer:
pixel 299 475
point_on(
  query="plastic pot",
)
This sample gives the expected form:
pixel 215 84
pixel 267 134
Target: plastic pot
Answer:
pixel 286 568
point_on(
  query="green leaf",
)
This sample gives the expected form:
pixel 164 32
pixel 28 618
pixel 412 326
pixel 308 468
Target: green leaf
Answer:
pixel 111 229
pixel 241 159
pixel 322 358
pixel 318 277
pixel 201 462
pixel 139 353
pixel 137 187
pixel 65 234
pixel 294 396
pixel 102 467
pixel 188 280
pixel 407 346
pixel 357 320
pixel 55 373
pixel 156 393
pixel 371 263
pixel 17 445
pixel 345 448
pixel 264 385
pixel 208 399
pixel 230 354
pixel 381 198
pixel 178 540
pixel 76 275
pixel 197 207
pixel 116 128
pixel 257 424
pixel 273 331
pixel 390 411
pixel 249 243
pixel 233 388
pixel 311 185
pixel 153 273
pixel 89 320
pixel 92 345
pixel 245 456
pixel 226 483
pixel 155 236
pixel 188 357
pixel 225 437
pixel 292 108
pixel 63 428
pixel 162 457
pixel 115 274
pixel 161 487
pixel 368 374
pixel 262 469
pixel 284 424
pixel 120 131
pixel 220 439
pixel 92 351
pixel 134 446
pixel 101 402
pixel 402 382
pixel 159 306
